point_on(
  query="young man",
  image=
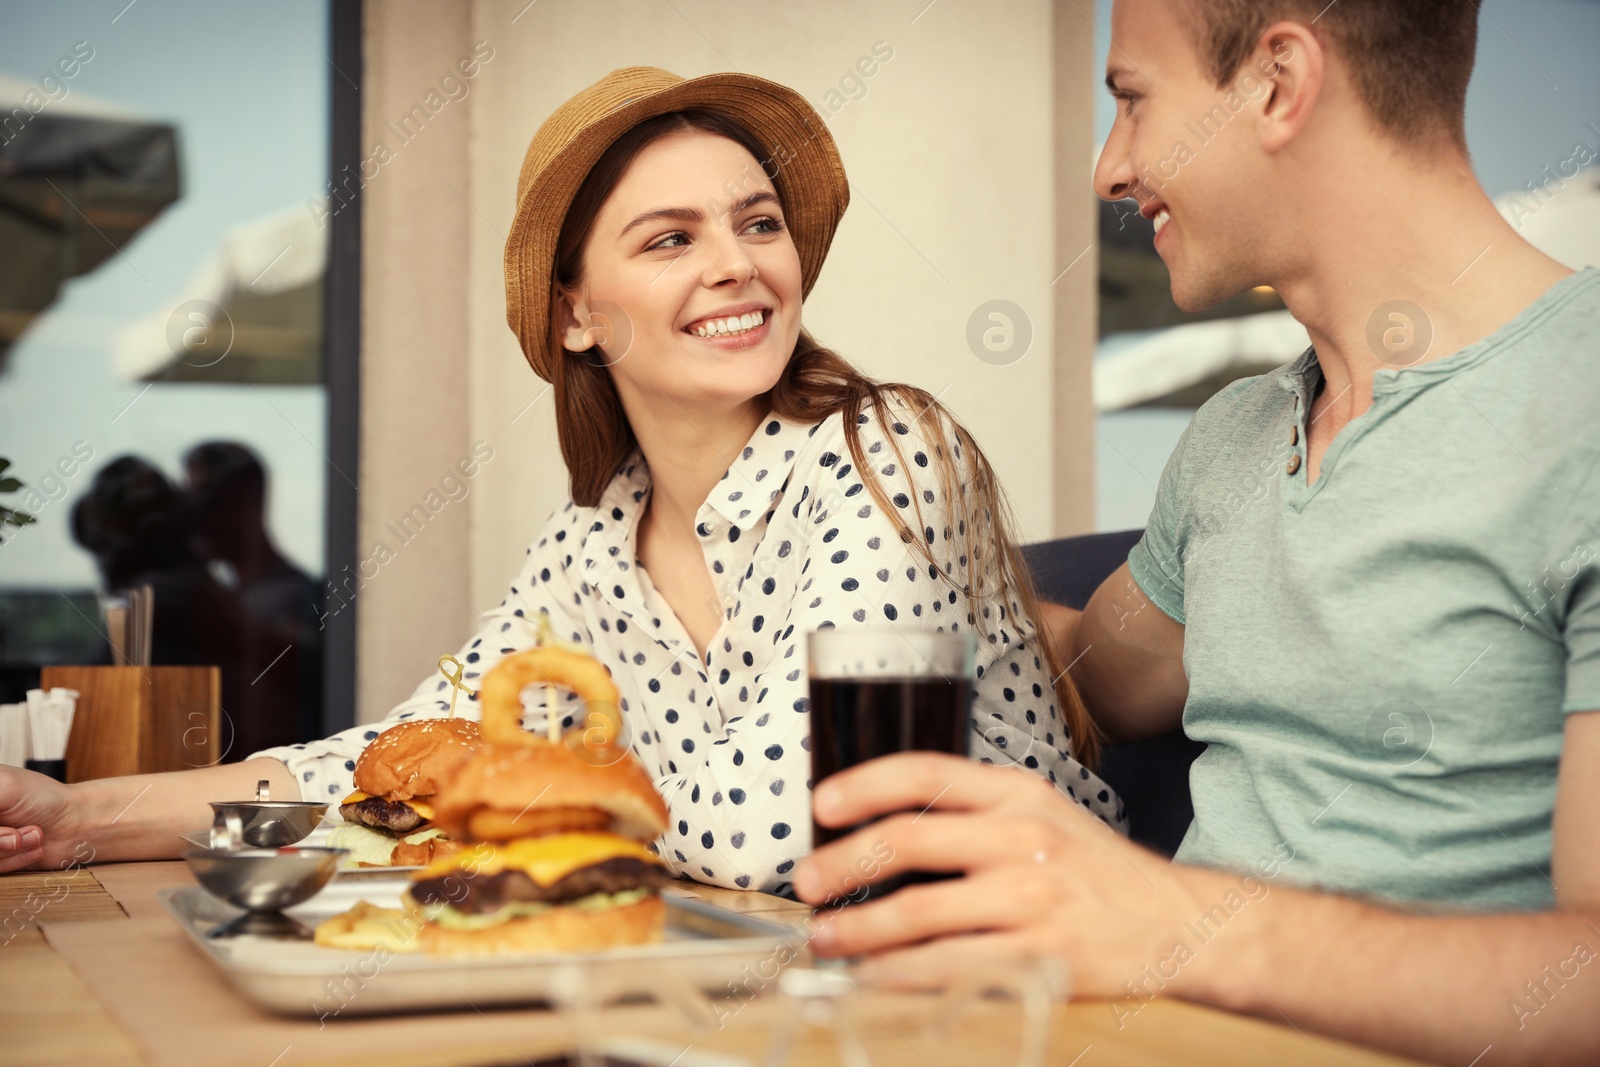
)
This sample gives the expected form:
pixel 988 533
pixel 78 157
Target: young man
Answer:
pixel 1370 583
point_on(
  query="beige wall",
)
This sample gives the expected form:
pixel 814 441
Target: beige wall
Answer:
pixel 416 235
pixel 950 155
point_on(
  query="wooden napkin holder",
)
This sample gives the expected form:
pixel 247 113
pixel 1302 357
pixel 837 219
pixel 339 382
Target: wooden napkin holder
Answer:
pixel 140 720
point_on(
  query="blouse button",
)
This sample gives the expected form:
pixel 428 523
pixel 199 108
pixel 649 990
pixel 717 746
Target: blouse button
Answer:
pixel 1294 463
pixel 1294 435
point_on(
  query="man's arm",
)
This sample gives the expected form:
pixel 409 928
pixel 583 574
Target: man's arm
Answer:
pixel 1042 875
pixel 1509 988
pixel 1126 657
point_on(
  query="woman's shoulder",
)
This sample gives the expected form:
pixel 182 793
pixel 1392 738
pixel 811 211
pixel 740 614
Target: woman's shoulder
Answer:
pixel 570 523
pixel 904 455
pixel 902 416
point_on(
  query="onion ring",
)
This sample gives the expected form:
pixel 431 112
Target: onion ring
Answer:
pixel 500 696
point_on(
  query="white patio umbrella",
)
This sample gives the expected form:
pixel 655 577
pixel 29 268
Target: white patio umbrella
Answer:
pixel 79 177
pixel 1183 366
pixel 252 312
pixel 1563 223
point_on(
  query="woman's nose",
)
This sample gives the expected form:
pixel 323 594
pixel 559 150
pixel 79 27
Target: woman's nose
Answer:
pixel 729 262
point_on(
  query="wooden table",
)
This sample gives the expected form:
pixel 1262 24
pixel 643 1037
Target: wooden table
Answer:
pixel 49 1016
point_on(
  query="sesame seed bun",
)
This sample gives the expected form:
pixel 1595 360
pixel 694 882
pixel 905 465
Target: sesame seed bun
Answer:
pixel 414 758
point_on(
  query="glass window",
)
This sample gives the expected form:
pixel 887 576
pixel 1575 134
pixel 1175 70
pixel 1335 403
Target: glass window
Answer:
pixel 162 396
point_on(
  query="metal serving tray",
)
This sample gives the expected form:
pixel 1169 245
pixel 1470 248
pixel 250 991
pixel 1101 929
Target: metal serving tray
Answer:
pixel 704 947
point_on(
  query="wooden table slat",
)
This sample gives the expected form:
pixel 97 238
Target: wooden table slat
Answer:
pixel 28 897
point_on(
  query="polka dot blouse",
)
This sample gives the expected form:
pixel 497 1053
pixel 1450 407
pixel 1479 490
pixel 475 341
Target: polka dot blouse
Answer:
pixel 795 542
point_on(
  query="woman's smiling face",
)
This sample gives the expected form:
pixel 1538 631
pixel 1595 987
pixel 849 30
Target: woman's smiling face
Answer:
pixel 691 281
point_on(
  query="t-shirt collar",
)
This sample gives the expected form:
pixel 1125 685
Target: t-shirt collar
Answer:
pixel 1301 376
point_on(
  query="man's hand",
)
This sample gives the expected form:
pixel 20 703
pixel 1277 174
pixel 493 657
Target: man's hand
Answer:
pixel 1041 875
pixel 34 813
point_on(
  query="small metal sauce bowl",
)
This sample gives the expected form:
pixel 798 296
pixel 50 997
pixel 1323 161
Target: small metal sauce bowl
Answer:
pixel 263 822
pixel 263 880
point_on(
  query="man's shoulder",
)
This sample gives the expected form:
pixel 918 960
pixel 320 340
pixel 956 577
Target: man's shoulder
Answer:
pixel 1559 331
pixel 1243 411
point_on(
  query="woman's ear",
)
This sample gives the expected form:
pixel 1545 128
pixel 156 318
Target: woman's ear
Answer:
pixel 574 321
pixel 1292 60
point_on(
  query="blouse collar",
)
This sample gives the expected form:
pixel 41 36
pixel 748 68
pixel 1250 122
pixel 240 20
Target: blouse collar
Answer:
pixel 758 474
pixel 753 480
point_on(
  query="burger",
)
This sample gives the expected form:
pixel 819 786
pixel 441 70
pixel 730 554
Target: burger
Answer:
pixel 558 858
pixel 389 819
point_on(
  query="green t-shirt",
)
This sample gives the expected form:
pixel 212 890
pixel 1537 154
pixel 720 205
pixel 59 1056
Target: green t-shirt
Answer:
pixel 1381 662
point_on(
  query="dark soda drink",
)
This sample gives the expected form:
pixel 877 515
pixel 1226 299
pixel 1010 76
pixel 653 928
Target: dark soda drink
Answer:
pixel 877 691
pixel 857 719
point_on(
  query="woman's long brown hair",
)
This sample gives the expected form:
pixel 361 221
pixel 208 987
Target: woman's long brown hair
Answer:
pixel 596 438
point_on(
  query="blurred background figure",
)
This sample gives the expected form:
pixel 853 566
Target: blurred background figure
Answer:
pixel 141 530
pixel 227 485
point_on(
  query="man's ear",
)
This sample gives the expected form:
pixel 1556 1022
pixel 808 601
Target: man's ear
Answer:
pixel 1293 62
pixel 574 321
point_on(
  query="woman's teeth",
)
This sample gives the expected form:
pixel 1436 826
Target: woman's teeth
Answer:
pixel 734 324
pixel 1161 218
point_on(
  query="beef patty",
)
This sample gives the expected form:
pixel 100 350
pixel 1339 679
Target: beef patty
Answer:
pixel 489 893
pixel 391 816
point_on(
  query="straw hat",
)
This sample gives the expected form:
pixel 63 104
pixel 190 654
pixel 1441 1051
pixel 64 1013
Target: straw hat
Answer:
pixel 810 178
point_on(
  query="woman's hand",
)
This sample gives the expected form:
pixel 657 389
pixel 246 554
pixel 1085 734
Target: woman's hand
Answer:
pixel 1040 876
pixel 35 815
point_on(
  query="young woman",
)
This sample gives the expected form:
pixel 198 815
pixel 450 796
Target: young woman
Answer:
pixel 734 486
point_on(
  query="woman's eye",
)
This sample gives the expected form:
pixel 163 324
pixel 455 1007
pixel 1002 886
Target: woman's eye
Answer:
pixel 768 224
pixel 675 239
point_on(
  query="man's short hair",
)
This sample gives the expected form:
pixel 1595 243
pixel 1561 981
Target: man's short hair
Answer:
pixel 1410 60
pixel 225 474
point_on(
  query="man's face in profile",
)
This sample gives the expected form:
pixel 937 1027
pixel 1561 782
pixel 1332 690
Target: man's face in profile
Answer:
pixel 1186 148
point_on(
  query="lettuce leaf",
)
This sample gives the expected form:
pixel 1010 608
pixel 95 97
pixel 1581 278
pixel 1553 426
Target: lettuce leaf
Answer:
pixel 367 845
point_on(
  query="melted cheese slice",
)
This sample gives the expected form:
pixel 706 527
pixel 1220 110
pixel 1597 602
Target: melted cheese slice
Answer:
pixel 421 807
pixel 546 859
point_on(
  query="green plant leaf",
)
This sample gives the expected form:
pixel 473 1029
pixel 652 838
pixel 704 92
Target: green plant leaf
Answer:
pixel 9 485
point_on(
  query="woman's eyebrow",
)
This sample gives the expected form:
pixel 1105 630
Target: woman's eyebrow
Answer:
pixel 761 196
pixel 689 214
pixel 677 214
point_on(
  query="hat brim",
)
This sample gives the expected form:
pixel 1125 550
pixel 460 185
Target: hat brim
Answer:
pixel 803 163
